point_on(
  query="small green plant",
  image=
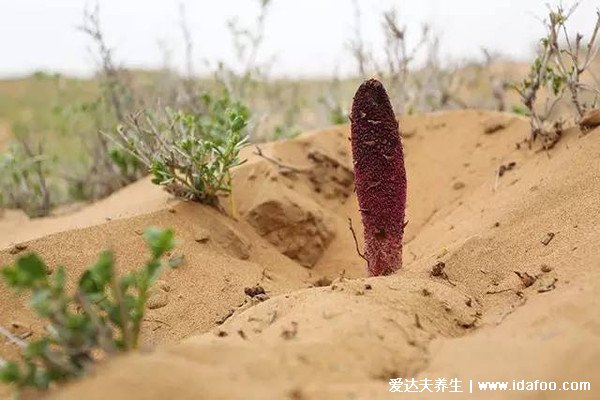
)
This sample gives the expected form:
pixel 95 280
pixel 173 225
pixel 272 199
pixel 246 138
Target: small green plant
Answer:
pixel 190 154
pixel 23 179
pixel 519 110
pixel 102 317
pixel 558 68
pixel 336 114
pixel 285 132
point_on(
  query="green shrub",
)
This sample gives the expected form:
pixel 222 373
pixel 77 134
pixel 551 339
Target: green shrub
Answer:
pixel 190 154
pixel 23 182
pixel 285 132
pixel 102 316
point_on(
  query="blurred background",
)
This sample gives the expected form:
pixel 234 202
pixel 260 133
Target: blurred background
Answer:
pixel 73 71
pixel 301 39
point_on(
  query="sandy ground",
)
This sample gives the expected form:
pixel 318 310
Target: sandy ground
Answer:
pixel 138 198
pixel 517 299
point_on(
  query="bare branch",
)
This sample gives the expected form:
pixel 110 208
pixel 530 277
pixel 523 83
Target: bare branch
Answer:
pixel 14 339
pixel 356 241
pixel 279 164
pixel 187 40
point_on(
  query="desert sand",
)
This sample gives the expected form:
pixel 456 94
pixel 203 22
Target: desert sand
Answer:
pixel 517 297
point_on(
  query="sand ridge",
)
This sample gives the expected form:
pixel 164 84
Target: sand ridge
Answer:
pixel 476 319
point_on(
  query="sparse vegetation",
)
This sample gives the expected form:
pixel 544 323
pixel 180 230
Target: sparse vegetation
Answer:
pixel 412 88
pixel 102 317
pixel 80 163
pixel 499 233
pixel 190 155
pixel 559 66
pixel 331 101
pixel 23 179
pixel 108 170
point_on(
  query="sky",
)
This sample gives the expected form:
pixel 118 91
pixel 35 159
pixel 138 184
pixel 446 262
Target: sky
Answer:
pixel 304 37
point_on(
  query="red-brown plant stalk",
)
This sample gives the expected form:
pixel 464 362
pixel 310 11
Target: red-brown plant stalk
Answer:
pixel 379 177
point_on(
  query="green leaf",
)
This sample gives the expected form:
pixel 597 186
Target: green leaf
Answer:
pixel 76 322
pixel 99 275
pixel 519 109
pixel 238 123
pixel 41 301
pixel 59 279
pixel 36 348
pixel 160 241
pixel 88 284
pixel 114 314
pixel 28 271
pixel 152 271
pixel 10 373
pixel 126 281
pixel 103 269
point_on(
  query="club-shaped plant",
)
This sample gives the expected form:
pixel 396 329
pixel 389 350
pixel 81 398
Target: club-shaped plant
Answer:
pixel 379 177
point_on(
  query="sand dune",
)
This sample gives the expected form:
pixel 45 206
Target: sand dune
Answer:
pixel 138 198
pixel 517 297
